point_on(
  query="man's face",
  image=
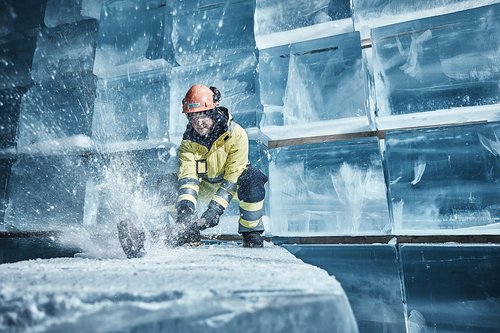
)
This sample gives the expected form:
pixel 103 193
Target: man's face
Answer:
pixel 201 122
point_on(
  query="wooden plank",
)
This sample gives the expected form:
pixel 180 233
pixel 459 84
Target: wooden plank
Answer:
pixel 381 134
pixel 366 43
pixel 324 138
pixel 280 240
pixel 405 239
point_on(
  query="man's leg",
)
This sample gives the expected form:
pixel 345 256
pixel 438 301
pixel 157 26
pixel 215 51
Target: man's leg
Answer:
pixel 251 194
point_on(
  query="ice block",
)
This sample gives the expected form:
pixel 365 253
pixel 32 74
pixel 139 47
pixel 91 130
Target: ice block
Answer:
pixel 444 180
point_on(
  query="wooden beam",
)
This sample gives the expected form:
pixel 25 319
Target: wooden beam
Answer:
pixel 324 138
pixel 385 239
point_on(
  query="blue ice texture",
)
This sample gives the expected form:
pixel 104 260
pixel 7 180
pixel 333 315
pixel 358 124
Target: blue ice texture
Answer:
pixel 59 12
pixel 90 112
pixel 328 188
pixel 131 108
pixel 46 193
pixel 101 78
pixel 278 16
pixel 209 30
pixel 444 180
pixel 64 51
pixel 313 81
pixel 134 36
pixel 439 62
pixel 372 14
pixel 235 77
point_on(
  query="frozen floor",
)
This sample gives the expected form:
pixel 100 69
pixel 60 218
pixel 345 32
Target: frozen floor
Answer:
pixel 223 288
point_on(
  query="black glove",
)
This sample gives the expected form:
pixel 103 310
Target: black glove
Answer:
pixel 185 212
pixel 212 215
pixel 184 234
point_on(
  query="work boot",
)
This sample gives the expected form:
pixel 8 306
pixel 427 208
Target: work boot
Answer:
pixel 252 239
pixel 131 239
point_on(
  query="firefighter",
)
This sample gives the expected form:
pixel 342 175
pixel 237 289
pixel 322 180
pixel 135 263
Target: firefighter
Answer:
pixel 213 164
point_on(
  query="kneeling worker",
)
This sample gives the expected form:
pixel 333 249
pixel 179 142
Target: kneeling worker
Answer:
pixel 213 158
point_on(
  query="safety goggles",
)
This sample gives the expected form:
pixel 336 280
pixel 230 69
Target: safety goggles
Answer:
pixel 203 115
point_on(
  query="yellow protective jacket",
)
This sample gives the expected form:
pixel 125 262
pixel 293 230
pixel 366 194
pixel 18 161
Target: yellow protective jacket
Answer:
pixel 221 162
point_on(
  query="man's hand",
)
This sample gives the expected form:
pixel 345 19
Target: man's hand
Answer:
pixel 210 218
pixel 180 234
pixel 185 212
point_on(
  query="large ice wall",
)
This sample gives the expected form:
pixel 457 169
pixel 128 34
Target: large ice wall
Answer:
pixel 336 96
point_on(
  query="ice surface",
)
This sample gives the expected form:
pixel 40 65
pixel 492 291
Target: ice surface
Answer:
pixel 313 81
pixel 451 288
pixel 10 103
pixel 210 30
pixel 376 13
pixel 5 165
pixel 60 11
pixel 132 108
pixel 16 56
pixel 281 134
pixel 277 16
pixel 19 17
pixel 439 62
pixel 369 275
pixel 320 30
pixel 444 180
pixel 328 188
pixel 57 109
pixel 46 192
pixel 65 51
pixel 236 80
pixel 181 290
pixel 134 36
pixel 453 116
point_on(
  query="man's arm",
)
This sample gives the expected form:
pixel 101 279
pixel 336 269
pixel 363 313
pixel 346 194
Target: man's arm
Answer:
pixel 188 183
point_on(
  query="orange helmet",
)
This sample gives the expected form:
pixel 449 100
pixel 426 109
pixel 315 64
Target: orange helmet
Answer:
pixel 200 98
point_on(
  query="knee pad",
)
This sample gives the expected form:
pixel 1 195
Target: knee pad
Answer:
pixel 251 185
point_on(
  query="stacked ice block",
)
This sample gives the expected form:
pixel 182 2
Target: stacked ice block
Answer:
pixel 313 83
pixel 134 37
pixel 133 157
pixel 282 22
pixel 438 71
pixel 328 188
pixel 430 75
pixel 214 45
pixel 372 14
pixel 444 180
pixel 46 185
pixel 372 118
pixel 17 44
pixel 343 119
pixel 438 63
